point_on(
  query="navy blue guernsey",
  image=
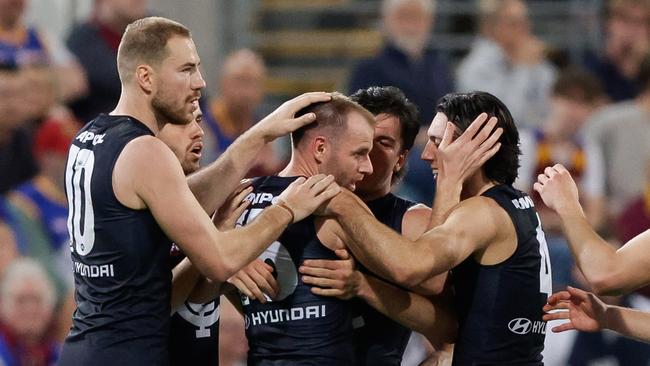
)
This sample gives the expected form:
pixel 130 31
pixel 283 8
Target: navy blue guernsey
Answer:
pixel 120 258
pixel 378 340
pixel 499 307
pixel 194 330
pixel 298 327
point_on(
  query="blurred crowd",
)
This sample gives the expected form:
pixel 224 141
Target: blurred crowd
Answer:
pixel 593 116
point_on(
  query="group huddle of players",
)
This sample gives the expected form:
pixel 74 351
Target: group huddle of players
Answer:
pixel 328 266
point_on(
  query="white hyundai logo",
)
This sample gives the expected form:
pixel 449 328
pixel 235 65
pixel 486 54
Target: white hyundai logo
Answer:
pixel 520 325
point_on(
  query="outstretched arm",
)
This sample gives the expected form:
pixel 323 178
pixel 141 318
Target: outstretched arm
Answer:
pixel 607 270
pixel 214 183
pixel 160 186
pixel 382 250
pixel 587 313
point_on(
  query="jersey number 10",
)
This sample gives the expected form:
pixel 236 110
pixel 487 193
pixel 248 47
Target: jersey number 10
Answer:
pixel 81 217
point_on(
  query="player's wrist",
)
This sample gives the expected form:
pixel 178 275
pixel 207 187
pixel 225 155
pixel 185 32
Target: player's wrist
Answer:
pixel 363 288
pixel 340 203
pixel 285 207
pixel 610 315
pixel 570 211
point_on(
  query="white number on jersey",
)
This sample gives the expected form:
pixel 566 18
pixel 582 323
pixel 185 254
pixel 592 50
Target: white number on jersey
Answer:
pixel 545 280
pixel 278 257
pixel 81 217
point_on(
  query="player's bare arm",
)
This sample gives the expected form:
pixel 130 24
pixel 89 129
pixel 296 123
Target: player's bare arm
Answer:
pixel 608 271
pixel 140 182
pixel 432 317
pixel 468 230
pixel 587 313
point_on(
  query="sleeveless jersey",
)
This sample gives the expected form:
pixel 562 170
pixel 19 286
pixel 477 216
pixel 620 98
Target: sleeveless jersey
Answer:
pixel 298 327
pixel 194 330
pixel 120 258
pixel 499 307
pixel 378 340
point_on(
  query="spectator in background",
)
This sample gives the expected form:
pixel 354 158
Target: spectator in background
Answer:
pixel 508 61
pixel 619 135
pixel 95 43
pixel 8 247
pixel 241 85
pixel 42 199
pixel 35 74
pixel 626 41
pixel 26 307
pixel 406 62
pixel 635 217
pixel 575 97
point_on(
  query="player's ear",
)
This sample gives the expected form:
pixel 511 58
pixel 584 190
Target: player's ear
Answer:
pixel 401 161
pixel 145 78
pixel 319 148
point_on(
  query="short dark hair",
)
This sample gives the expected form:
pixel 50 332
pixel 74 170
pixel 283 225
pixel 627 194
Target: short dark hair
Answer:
pixel 145 41
pixel 391 100
pixel 578 85
pixel 331 116
pixel 462 108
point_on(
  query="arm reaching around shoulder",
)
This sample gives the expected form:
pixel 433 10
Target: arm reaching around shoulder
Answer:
pixel 587 313
pixel 237 160
pixel 383 252
pixel 186 279
pixel 608 271
pixel 160 186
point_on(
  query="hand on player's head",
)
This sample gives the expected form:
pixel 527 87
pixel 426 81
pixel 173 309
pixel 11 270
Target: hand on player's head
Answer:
pixel 282 121
pixel 303 196
pixel 460 158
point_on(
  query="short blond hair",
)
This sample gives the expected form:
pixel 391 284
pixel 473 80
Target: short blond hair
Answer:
pixel 145 41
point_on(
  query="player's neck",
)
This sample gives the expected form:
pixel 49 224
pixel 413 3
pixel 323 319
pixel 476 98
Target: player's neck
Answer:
pixel 367 196
pixel 476 185
pixel 138 108
pixel 299 166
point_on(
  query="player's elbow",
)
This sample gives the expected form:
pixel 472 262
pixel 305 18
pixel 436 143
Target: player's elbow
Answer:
pixel 407 277
pixel 608 285
pixel 218 272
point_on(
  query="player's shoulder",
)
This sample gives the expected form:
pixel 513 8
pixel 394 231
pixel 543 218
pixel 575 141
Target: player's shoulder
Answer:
pixel 147 153
pixel 416 221
pixel 480 210
pixel 417 212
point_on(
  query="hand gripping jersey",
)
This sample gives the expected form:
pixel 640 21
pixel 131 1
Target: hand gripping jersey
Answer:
pixel 378 340
pixel 120 258
pixel 499 307
pixel 194 330
pixel 298 327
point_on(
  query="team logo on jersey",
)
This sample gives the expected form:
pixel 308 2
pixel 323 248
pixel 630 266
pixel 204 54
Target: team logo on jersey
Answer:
pixel 524 326
pixel 520 325
pixel 202 316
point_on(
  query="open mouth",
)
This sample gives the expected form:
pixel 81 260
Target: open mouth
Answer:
pixel 197 148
